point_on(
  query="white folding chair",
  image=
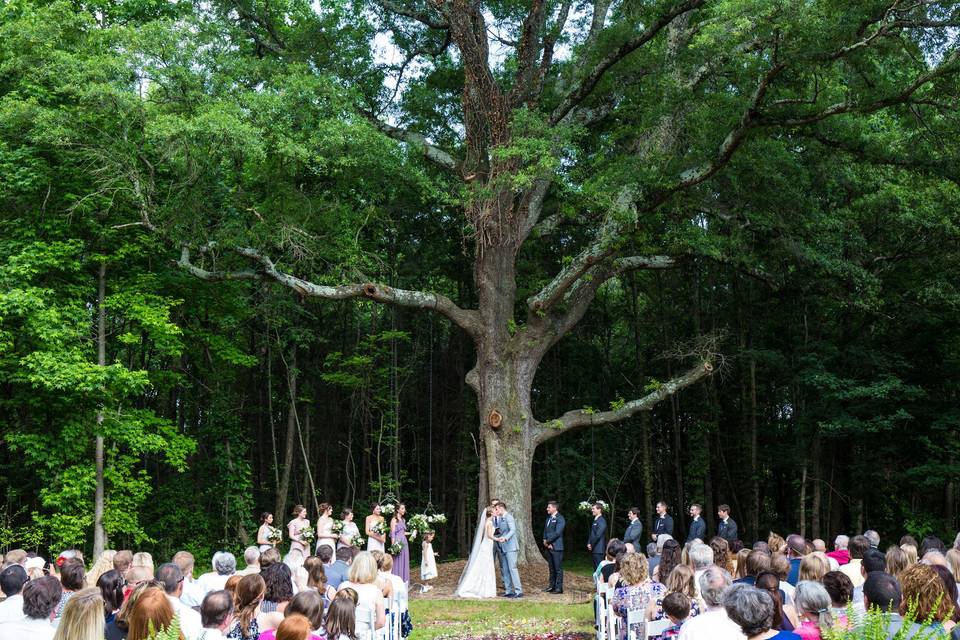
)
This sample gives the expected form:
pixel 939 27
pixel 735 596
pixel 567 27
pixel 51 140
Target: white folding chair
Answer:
pixel 654 627
pixel 613 622
pixel 386 631
pixel 600 610
pixel 366 623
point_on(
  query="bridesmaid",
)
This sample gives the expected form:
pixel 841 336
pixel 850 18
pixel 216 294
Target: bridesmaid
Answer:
pixel 295 526
pixel 266 520
pixel 350 529
pixel 325 535
pixel 398 534
pixel 375 542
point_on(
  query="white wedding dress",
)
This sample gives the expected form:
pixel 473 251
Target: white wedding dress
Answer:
pixel 479 579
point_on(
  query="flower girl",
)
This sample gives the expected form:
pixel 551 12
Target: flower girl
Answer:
pixel 428 566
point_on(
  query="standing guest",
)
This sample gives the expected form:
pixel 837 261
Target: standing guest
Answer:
pixel 752 610
pixel 698 528
pixel 122 561
pixel 813 607
pixel 428 562
pixel 325 535
pixel 82 617
pixel 727 527
pixel 216 615
pixel 784 615
pixel 263 533
pixel 597 540
pixel 375 541
pixel 670 556
pixel 553 544
pixel 151 613
pixel 840 552
pixel 713 623
pixel 873 537
pixel 12 580
pixel 103 564
pixel 170 576
pixel 247 601
pixel 341 621
pixel 634 527
pixel 350 529
pixel 40 599
pixel 338 571
pixel 224 565
pixel 111 590
pixel 663 523
pixel 363 580
pixel 72 579
pixel 295 526
pixel 399 534
pixel 858 546
pixel 251 558
pixel 192 592
pixel 636 595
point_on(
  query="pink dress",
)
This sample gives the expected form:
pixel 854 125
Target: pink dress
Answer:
pixel 808 630
pixel 294 528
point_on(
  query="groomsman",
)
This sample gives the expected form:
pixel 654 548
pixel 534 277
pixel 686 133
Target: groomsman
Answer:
pixel 663 523
pixel 634 529
pixel 698 528
pixel 597 542
pixel 553 543
pixel 727 528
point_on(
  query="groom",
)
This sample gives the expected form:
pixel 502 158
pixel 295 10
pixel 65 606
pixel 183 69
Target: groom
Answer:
pixel 505 530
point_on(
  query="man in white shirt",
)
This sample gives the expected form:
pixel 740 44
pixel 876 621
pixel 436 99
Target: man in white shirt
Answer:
pixel 712 624
pixel 858 546
pixel 12 580
pixel 171 578
pixel 251 557
pixel 40 599
pixel 216 615
pixel 192 593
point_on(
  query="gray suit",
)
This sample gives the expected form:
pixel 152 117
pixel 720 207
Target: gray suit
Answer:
pixel 633 533
pixel 506 551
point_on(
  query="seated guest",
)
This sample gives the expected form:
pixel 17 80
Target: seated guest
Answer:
pixel 103 564
pixel 840 588
pixel 873 537
pixel 721 554
pixel 82 617
pixel 752 610
pixel 637 594
pixel 713 623
pixel 307 604
pixel 670 556
pixel 953 561
pixel 12 580
pixel 40 599
pixel 701 557
pixel 784 615
pixel 317 582
pixel 399 588
pixel 932 543
pixel 813 567
pixel 111 590
pixel 756 563
pixel 676 606
pixel 143 559
pixel 873 560
pixel 615 546
pixel 151 613
pixel 192 592
pixel 341 621
pixel 858 546
pixel 882 592
pixel 363 580
pixel 224 565
pixel 169 576
pixel 251 558
pixel 118 628
pixel 740 563
pixel 122 560
pixel 780 565
pixel 269 557
pixel 279 588
pixel 338 571
pixel 296 627
pixel 796 549
pixel 895 561
pixel 216 615
pixel 247 616
pixel 911 552
pixel 776 543
pixel 680 581
pixel 923 589
pixel 813 607
pixel 73 578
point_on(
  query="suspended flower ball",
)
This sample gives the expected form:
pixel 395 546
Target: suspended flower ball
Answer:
pixel 586 505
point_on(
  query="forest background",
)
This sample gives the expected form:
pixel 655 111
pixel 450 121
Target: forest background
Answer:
pixel 815 268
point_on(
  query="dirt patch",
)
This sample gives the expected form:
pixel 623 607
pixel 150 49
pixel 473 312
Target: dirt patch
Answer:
pixel 576 588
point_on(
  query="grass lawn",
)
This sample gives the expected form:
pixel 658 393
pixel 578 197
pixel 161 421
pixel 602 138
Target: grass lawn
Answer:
pixel 468 618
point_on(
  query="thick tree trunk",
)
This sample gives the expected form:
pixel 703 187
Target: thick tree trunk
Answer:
pixel 99 536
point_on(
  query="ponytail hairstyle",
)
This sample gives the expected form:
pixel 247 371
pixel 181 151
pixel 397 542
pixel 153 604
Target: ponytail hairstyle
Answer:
pixel 813 599
pixel 249 595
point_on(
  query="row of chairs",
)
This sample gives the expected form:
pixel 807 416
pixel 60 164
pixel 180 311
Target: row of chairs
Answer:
pixel 366 620
pixel 610 625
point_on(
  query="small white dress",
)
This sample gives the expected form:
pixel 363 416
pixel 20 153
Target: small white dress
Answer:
pixel 428 566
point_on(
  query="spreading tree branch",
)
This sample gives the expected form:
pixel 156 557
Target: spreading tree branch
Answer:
pixel 431 152
pixel 466 319
pixel 425 18
pixel 586 418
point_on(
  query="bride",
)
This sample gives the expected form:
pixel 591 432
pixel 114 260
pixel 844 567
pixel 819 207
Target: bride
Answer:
pixel 479 580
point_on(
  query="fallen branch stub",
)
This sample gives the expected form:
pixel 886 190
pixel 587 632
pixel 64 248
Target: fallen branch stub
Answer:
pixel 708 367
pixel 495 419
pixel 369 290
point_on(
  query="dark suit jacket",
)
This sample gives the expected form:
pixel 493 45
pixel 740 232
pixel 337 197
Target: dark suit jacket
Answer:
pixel 633 533
pixel 598 536
pixel 698 529
pixel 663 525
pixel 553 531
pixel 728 530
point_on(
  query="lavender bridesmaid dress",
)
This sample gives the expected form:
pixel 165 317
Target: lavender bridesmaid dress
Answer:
pixel 401 562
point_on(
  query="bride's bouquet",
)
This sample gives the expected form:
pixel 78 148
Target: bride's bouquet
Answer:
pixel 395 549
pixel 308 534
pixel 274 536
pixel 358 541
pixel 337 527
pixel 586 505
pixel 380 528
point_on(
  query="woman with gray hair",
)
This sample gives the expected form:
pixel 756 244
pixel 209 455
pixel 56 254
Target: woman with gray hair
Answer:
pixel 752 610
pixel 813 606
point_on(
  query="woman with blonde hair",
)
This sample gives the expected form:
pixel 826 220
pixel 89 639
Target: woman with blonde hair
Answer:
pixel 103 564
pixel 680 580
pixel 776 543
pixel 83 617
pixel 639 591
pixel 813 567
pixel 897 561
pixel 150 614
pixel 924 591
pixel 143 559
pixel 363 579
pixel 953 562
pixel 911 551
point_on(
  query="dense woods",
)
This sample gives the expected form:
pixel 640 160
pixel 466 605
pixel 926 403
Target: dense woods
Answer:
pixel 257 254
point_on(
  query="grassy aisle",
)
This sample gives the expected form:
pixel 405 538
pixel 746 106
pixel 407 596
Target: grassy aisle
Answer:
pixel 471 619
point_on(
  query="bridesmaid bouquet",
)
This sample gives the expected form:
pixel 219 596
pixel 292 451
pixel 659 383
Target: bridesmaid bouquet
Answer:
pixel 358 541
pixel 380 528
pixel 274 535
pixel 395 549
pixel 337 527
pixel 307 534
